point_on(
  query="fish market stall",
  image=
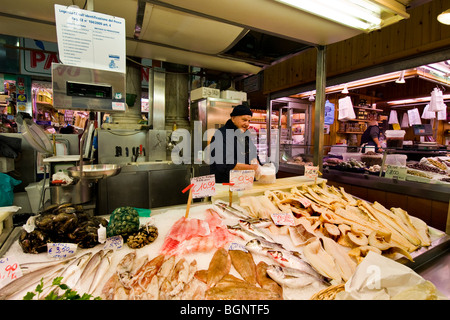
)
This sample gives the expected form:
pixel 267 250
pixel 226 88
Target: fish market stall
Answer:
pixel 304 239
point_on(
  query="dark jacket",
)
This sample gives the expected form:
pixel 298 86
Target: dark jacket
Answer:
pixel 230 146
pixel 370 133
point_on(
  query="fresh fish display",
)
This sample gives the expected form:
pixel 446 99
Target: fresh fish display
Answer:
pixel 231 287
pixel 227 211
pixel 289 277
pixel 262 246
pixel 218 267
pixel 292 260
pixel 244 264
pixel 195 235
pixel 258 232
pixel 265 281
pixel 100 271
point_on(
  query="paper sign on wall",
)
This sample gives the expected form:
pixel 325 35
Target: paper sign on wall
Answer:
pixel 90 39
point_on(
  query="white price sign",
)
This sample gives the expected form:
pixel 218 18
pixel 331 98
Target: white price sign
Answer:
pixel 283 219
pixel 395 172
pixel 241 179
pixel 61 250
pixel 9 270
pixel 203 186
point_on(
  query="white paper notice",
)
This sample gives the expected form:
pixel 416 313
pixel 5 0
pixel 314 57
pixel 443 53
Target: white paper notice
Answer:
pixel 90 39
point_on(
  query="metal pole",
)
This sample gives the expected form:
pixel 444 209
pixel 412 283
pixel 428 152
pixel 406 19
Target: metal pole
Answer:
pixel 319 109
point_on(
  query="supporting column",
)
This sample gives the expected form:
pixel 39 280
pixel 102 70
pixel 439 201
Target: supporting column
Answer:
pixel 319 108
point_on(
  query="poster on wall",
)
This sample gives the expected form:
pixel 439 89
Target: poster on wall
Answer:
pixel 90 39
pixel 38 58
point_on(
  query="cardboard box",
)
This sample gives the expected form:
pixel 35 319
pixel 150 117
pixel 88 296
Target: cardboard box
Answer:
pixel 204 92
pixel 233 95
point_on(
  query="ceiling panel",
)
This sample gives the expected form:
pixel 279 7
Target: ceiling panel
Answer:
pixel 181 30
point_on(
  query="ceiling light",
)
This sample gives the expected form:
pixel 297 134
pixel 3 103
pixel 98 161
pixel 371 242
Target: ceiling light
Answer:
pixel 401 78
pixel 358 14
pixel 444 17
pixel 311 97
pixel 345 90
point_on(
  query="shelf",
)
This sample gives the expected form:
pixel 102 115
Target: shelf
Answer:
pixel 368 109
pixel 345 132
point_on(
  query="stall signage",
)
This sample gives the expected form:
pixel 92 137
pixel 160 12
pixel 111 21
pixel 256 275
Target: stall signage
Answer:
pixel 9 270
pixel 90 39
pixel 203 186
pixel 395 172
pixel 283 219
pixel 38 57
pixel 241 179
pixel 311 172
pixel 61 250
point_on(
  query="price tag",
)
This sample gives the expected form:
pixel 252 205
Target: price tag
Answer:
pixel 311 172
pixel 283 219
pixel 241 179
pixel 395 172
pixel 115 243
pixel 61 250
pixel 237 246
pixel 203 186
pixel 9 270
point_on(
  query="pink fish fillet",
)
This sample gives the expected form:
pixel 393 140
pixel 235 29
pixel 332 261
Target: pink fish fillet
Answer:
pixel 196 235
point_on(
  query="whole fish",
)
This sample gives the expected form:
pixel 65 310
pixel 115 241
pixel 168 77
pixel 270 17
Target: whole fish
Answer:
pixel 244 264
pixel 265 281
pixel 242 233
pixel 26 281
pixel 259 222
pixel 289 277
pixel 101 271
pixel 261 246
pixel 88 270
pixel 227 211
pixel 291 259
pixel 257 231
pixel 219 266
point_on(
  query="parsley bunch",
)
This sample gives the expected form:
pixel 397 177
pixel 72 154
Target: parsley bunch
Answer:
pixel 68 294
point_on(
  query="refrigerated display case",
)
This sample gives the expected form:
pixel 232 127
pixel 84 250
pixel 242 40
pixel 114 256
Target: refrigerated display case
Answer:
pixel 291 118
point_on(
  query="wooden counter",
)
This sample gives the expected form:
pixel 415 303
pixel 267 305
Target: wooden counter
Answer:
pixel 258 188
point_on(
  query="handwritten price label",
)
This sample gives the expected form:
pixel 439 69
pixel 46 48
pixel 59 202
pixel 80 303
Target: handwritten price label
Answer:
pixel 283 219
pixel 311 172
pixel 9 270
pixel 203 186
pixel 397 172
pixel 241 179
pixel 114 242
pixel 61 250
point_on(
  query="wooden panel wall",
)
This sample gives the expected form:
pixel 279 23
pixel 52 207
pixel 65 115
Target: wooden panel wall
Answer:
pixel 419 34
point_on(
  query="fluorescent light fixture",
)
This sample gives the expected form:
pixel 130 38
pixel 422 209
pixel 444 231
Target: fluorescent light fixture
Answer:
pixel 358 14
pixel 414 100
pixel 401 78
pixel 444 17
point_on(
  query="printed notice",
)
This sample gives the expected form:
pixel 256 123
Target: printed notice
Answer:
pixel 90 39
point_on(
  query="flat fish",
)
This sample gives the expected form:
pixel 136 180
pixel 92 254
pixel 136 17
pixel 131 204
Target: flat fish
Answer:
pixel 265 281
pixel 219 266
pixel 232 288
pixel 244 264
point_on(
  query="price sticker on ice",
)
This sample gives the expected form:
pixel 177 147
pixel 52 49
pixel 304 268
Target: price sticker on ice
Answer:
pixel 61 250
pixel 283 219
pixel 114 242
pixel 203 186
pixel 395 172
pixel 241 179
pixel 9 270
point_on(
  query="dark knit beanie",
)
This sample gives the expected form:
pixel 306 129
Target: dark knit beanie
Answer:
pixel 241 110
